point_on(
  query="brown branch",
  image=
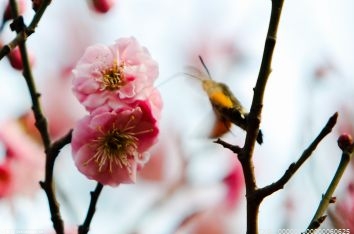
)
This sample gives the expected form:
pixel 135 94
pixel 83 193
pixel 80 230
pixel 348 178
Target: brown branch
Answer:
pixel 268 190
pixel 234 148
pixel 60 143
pixel 51 151
pixel 47 185
pixel 85 227
pixel 254 119
pixel 27 31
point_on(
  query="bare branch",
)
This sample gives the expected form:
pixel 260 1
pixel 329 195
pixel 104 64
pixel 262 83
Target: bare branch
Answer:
pixel 85 227
pixel 234 148
pixel 268 190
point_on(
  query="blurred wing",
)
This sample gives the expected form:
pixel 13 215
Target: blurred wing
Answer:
pixel 219 128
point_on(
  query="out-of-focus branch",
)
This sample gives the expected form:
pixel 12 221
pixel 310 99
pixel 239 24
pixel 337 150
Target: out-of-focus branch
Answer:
pixel 26 31
pixel 85 227
pixel 268 190
pixel 326 198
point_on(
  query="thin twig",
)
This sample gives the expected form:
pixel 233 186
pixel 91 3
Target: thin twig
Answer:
pixel 60 143
pixel 268 190
pixel 254 119
pixel 40 120
pixel 47 185
pixel 85 227
pixel 326 198
pixel 234 148
pixel 254 116
pixel 27 31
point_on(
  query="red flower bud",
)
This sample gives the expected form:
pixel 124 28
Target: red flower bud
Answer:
pixel 16 59
pixel 102 6
pixel 344 141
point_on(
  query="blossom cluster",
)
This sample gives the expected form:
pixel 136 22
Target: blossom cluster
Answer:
pixel 115 85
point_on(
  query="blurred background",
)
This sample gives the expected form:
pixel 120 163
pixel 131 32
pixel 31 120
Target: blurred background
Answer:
pixel 190 185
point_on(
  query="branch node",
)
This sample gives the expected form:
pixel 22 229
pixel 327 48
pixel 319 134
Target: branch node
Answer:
pixel 333 200
pixel 42 184
pixel 18 25
pixel 317 223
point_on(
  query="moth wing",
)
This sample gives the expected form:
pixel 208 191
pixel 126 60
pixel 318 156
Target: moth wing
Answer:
pixel 220 127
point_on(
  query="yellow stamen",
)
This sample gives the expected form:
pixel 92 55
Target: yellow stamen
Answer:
pixel 113 77
pixel 114 148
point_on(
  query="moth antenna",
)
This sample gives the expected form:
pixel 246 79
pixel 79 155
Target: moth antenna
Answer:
pixel 205 67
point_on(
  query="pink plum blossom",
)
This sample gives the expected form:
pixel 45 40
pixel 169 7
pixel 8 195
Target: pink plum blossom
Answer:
pixel 5 180
pixel 110 75
pixel 154 169
pixel 207 222
pixel 234 184
pixel 167 163
pixel 345 209
pixel 109 145
pixel 23 164
pixel 58 90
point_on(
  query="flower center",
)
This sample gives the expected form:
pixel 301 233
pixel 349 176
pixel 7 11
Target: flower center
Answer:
pixel 114 148
pixel 113 77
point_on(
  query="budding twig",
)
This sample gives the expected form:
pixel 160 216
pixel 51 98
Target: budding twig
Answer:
pixel 326 198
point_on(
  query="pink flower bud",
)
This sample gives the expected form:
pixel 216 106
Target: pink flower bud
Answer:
pixel 344 141
pixel 16 59
pixel 102 6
